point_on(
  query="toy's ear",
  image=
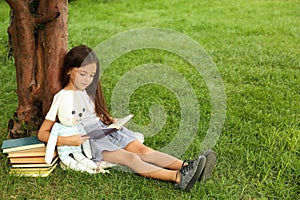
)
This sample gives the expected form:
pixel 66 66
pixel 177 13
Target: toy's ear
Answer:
pixel 51 143
pixel 66 111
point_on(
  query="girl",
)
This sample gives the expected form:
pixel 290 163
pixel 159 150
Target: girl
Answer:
pixel 81 74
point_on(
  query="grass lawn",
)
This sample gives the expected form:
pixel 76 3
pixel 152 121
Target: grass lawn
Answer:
pixel 255 46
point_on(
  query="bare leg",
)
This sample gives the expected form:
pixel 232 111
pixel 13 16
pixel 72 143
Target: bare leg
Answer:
pixel 155 157
pixel 134 161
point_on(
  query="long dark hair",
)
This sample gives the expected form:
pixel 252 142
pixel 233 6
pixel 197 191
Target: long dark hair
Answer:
pixel 81 56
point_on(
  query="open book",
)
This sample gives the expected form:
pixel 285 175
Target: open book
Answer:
pixel 101 132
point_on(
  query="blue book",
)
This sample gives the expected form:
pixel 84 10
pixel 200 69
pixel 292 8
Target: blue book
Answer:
pixel 21 144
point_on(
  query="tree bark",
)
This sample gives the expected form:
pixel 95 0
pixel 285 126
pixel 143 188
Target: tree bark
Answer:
pixel 38 35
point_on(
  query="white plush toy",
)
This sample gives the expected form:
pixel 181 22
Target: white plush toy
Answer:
pixel 71 110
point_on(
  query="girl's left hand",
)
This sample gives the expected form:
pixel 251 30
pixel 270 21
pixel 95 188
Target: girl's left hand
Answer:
pixel 115 120
pixel 84 138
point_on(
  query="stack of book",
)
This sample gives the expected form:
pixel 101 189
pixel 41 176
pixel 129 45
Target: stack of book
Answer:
pixel 27 157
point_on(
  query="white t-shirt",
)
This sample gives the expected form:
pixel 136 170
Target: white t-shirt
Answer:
pixel 71 107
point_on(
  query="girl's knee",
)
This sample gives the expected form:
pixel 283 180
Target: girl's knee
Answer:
pixel 122 157
pixel 139 148
pixel 132 158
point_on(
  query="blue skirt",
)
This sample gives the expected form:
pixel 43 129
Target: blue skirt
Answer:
pixel 110 142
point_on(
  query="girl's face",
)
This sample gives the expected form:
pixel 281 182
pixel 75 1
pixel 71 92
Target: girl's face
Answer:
pixel 82 77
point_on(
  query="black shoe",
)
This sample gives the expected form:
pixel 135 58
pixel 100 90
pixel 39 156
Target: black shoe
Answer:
pixel 211 161
pixel 189 174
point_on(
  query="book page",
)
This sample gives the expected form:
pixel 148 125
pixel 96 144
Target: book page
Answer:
pixel 120 123
pixel 101 132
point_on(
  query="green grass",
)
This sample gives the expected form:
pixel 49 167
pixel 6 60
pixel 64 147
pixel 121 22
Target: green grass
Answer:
pixel 255 45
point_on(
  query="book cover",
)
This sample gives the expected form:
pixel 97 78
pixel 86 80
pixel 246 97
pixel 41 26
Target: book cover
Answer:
pixel 54 161
pixel 21 144
pixel 38 173
pixel 97 134
pixel 30 160
pixel 30 169
pixel 40 151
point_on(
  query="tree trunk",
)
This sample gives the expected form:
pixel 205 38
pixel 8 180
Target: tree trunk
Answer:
pixel 38 36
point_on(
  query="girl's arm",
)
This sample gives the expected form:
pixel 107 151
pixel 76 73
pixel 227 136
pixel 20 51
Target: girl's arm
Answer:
pixel 44 133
